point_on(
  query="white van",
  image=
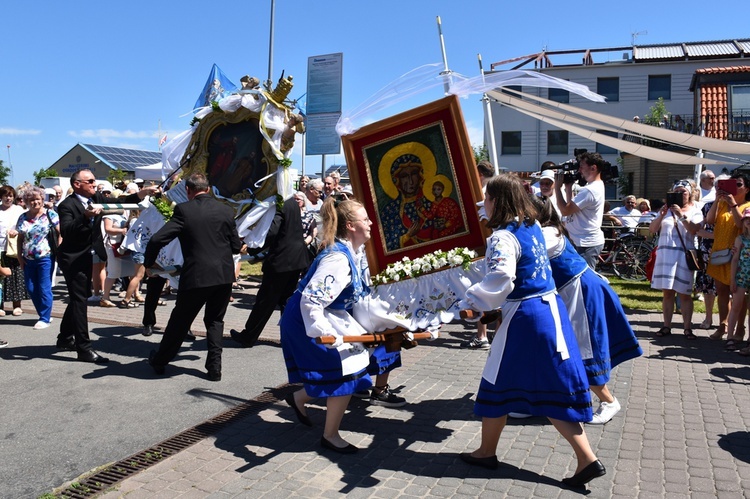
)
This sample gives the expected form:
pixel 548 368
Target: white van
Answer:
pixel 49 182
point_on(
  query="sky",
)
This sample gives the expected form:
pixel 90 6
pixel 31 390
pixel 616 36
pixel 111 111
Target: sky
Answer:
pixel 117 74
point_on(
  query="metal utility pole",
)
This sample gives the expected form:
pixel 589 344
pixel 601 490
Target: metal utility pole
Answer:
pixel 489 124
pixel 269 82
pixel 10 165
pixel 445 72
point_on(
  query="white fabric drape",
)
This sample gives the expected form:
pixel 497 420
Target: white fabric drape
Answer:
pixel 669 136
pixel 566 123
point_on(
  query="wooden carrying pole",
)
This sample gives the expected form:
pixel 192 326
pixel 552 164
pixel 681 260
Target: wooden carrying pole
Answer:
pixel 393 339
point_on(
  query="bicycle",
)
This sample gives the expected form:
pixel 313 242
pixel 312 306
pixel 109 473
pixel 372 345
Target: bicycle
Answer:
pixel 624 254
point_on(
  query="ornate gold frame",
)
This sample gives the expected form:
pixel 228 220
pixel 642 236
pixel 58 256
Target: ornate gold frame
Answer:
pixel 397 131
pixel 195 159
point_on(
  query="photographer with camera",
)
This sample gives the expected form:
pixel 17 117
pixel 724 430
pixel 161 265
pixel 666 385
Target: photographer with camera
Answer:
pixel 584 211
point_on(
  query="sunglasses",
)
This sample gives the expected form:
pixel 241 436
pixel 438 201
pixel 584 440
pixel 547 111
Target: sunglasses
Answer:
pixel 89 181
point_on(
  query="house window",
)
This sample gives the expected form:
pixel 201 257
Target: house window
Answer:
pixel 659 86
pixel 517 88
pixel 740 99
pixel 510 143
pixel 557 142
pixel 601 148
pixel 739 112
pixel 609 88
pixel 559 95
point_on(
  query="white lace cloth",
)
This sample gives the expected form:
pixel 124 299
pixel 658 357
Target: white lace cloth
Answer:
pixel 424 301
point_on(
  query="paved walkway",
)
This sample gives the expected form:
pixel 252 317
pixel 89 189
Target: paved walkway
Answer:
pixel 683 429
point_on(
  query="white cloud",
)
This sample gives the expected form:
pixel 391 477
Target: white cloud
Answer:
pixel 18 131
pixel 106 135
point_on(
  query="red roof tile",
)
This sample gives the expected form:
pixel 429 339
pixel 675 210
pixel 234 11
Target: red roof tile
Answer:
pixel 728 69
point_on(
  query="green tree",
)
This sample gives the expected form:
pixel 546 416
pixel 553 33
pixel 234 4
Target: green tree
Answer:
pixel 39 175
pixel 4 174
pixel 116 176
pixel 481 153
pixel 656 113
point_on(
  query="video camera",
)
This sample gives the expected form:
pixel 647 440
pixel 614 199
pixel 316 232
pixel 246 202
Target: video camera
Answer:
pixel 571 174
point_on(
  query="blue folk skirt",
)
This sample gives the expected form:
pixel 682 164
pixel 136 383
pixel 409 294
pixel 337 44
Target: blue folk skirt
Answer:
pixel 610 340
pixel 318 368
pixel 532 377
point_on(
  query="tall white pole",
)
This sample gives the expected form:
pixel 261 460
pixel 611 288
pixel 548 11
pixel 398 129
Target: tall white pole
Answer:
pixel 269 82
pixel 445 72
pixel 10 165
pixel 489 127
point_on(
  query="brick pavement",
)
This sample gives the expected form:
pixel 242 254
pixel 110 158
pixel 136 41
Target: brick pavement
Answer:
pixel 682 432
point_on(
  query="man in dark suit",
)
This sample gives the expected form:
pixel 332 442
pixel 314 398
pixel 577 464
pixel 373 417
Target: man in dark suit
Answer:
pixel 80 227
pixel 287 258
pixel 208 237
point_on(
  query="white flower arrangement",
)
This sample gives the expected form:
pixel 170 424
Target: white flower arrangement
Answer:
pixel 436 260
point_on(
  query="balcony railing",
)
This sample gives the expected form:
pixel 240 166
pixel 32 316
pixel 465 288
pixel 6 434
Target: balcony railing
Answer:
pixel 731 126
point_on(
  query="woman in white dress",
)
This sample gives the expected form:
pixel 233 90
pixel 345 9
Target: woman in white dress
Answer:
pixel 119 265
pixel 676 226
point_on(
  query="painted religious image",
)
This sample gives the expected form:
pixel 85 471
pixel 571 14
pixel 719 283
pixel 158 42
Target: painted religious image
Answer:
pixel 235 157
pixel 415 189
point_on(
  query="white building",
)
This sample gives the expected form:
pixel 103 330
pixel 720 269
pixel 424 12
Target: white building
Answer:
pixel 632 79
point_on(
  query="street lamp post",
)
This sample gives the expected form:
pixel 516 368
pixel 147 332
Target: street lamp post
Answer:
pixel 10 165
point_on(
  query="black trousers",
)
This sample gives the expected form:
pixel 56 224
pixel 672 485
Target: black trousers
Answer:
pixel 154 287
pixel 75 322
pixel 275 289
pixel 189 303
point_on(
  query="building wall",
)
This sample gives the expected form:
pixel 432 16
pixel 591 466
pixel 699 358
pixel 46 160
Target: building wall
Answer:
pixel 652 179
pixel 633 101
pixel 77 159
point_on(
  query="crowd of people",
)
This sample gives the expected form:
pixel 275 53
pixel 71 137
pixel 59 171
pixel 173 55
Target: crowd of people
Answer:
pixel 562 331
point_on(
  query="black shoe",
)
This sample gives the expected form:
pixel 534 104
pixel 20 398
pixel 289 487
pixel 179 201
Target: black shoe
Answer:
pixel 157 368
pixel 349 449
pixel 190 336
pixel 593 470
pixel 148 330
pixel 92 356
pixel 237 336
pixel 301 417
pixel 214 376
pixel 66 347
pixel 386 398
pixel 485 462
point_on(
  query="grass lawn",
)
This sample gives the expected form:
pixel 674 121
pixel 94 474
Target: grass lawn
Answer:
pixel 639 295
pixel 248 269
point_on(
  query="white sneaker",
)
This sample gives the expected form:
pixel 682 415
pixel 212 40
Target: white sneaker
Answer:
pixel 605 412
pixel 41 325
pixel 518 415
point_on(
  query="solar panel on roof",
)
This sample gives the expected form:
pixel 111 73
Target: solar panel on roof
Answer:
pixel 123 158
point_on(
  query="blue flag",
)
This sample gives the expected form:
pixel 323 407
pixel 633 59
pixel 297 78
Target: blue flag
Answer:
pixel 217 87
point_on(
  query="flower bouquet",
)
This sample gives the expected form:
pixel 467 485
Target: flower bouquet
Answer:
pixel 437 260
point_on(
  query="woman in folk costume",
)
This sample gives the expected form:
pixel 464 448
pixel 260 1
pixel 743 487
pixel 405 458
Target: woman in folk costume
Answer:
pixel 321 306
pixel 605 338
pixel 534 365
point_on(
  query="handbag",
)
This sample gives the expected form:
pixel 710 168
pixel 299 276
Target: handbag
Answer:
pixel 721 257
pixel 119 250
pixel 650 264
pixel 693 257
pixel 11 248
pixel 53 235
